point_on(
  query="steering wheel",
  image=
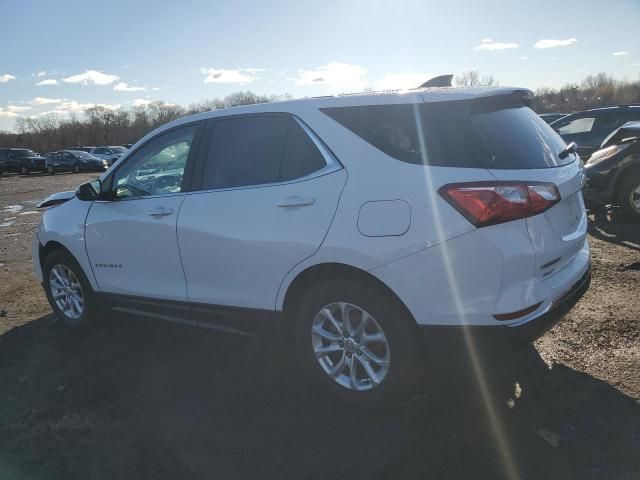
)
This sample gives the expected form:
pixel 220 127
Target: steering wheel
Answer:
pixel 166 181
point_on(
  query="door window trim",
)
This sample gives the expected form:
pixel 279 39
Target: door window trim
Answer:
pixel 187 180
pixel 332 164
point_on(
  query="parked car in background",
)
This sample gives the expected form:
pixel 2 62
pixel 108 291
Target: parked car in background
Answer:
pixel 111 153
pixel 128 145
pixel 21 160
pixel 590 127
pixel 613 172
pixel 285 213
pixel 75 161
pixel 552 117
pixel 83 149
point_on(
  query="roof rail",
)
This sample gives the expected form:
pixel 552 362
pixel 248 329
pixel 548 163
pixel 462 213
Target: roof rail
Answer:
pixel 439 81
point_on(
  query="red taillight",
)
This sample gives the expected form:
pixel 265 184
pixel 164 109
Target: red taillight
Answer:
pixel 489 203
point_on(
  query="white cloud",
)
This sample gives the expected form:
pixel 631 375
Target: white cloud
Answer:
pixel 239 75
pixel 337 76
pixel 488 45
pixel 46 101
pixel 6 77
pixel 524 58
pixel 18 109
pixel 48 81
pixel 6 113
pixel 141 102
pixel 91 77
pixel 12 111
pixel 125 87
pixel 398 81
pixel 550 43
pixel 619 54
pixel 155 89
pixel 41 74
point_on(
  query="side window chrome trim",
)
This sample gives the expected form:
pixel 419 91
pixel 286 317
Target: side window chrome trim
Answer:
pixel 331 162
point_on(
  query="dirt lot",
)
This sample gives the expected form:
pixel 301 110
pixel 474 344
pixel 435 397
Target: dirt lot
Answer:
pixel 133 399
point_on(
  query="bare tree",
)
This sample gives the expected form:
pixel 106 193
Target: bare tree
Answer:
pixel 472 78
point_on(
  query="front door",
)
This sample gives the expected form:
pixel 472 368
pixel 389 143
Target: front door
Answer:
pixel 131 239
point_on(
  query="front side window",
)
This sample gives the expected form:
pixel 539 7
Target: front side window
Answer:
pixel 259 150
pixel 158 167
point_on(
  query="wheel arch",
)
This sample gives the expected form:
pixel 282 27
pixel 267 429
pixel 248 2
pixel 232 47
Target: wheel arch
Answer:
pixel 51 246
pixel 331 270
pixel 44 250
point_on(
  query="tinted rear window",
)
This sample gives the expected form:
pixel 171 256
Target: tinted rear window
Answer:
pixel 259 150
pixel 489 133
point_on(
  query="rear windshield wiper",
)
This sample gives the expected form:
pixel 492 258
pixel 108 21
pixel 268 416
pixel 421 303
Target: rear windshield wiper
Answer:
pixel 571 148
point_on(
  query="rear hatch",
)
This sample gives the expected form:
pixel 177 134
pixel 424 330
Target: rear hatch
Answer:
pixel 524 148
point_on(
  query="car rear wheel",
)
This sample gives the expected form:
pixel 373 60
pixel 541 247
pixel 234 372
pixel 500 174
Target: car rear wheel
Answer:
pixel 355 344
pixel 50 169
pixel 76 168
pixel 68 290
pixel 629 195
pixel 24 170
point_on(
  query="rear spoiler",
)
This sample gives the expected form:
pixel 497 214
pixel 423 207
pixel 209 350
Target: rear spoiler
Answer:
pixel 439 81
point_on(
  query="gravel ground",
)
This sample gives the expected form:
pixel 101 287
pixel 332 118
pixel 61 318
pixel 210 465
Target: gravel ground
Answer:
pixel 136 399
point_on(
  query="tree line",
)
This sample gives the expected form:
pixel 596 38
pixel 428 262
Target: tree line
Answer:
pixel 100 125
pixel 104 126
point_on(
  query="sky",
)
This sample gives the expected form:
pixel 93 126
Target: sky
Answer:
pixel 59 56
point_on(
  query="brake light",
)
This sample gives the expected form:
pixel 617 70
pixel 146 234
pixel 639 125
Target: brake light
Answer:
pixel 490 203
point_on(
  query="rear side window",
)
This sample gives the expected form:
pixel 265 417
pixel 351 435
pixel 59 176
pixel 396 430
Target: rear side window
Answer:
pixel 496 133
pixel 258 150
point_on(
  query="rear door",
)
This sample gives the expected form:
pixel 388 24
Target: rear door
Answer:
pixel 525 148
pixel 268 195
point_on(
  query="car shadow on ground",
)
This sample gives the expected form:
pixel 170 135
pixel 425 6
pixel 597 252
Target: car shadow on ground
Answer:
pixel 612 225
pixel 132 398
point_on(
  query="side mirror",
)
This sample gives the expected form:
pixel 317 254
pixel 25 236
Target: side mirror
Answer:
pixel 89 191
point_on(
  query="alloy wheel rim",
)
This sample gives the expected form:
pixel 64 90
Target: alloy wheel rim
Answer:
pixel 634 199
pixel 66 291
pixel 350 346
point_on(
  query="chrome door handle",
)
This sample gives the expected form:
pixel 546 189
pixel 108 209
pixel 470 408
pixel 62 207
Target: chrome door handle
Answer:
pixel 297 201
pixel 160 212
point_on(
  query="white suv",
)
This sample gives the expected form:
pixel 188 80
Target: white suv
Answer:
pixel 365 224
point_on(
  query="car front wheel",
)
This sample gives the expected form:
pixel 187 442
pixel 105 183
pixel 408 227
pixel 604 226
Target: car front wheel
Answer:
pixel 629 196
pixel 68 290
pixel 50 169
pixel 356 344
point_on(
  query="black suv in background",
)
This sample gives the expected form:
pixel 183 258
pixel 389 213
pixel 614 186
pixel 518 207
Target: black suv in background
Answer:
pixel 590 127
pixel 21 160
pixel 613 172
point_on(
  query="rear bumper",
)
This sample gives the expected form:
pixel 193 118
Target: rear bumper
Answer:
pixel 507 335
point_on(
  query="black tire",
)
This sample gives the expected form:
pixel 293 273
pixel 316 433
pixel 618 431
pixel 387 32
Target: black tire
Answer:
pixel 24 170
pixel 406 366
pixel 76 168
pixel 51 170
pixel 91 309
pixel 624 194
